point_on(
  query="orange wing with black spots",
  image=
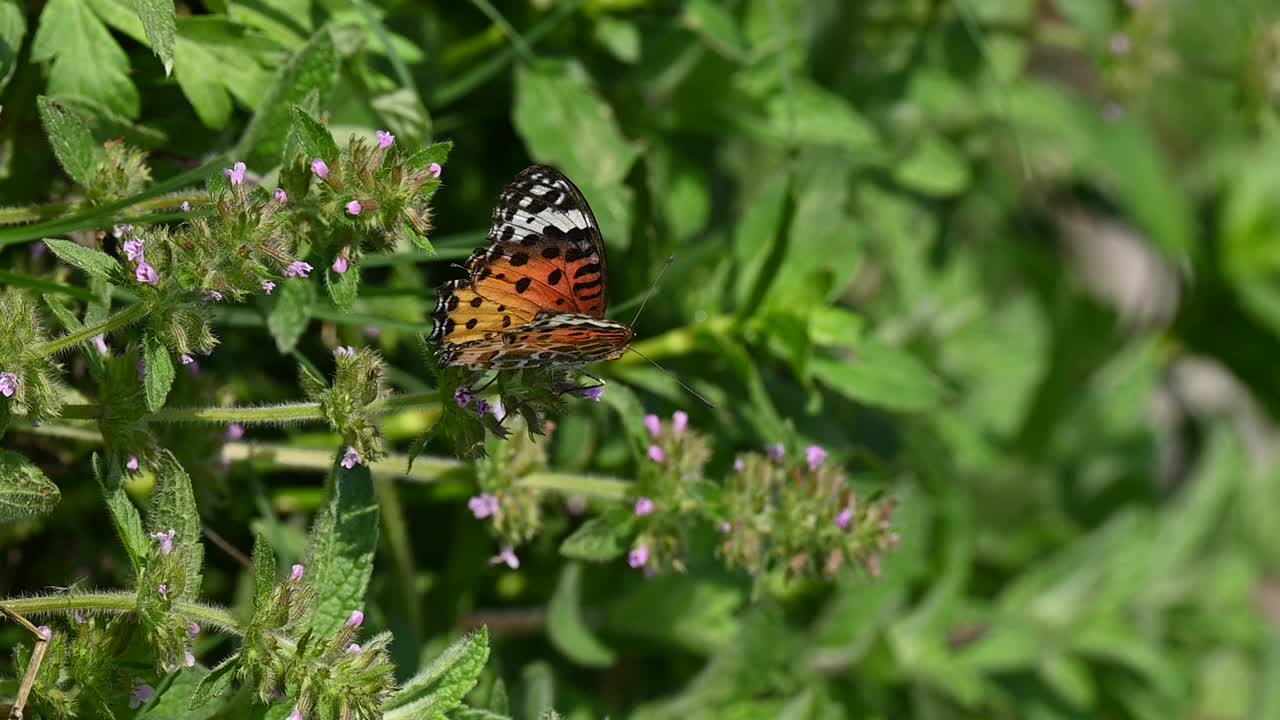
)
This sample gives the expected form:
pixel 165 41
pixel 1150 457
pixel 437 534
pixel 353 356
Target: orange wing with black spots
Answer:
pixel 545 265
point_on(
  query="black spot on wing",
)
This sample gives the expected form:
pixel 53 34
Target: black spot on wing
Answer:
pixel 523 284
pixel 554 277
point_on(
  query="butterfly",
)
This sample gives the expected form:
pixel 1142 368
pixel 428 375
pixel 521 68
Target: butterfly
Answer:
pixel 536 296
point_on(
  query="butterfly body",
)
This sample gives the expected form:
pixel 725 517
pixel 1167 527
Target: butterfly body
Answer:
pixel 536 296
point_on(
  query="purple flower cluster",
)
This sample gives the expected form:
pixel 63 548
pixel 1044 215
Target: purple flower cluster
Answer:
pixel 483 505
pixel 351 458
pixel 8 384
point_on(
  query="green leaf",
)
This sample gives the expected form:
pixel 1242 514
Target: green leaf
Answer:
pixel 934 167
pixel 565 123
pixel 264 572
pixel 343 287
pixel 715 24
pixel 442 685
pixel 295 300
pixel 314 68
pixel 95 262
pixel 124 515
pixel 159 371
pixel 160 22
pixel 13 27
pixel 539 691
pixel 824 244
pixel 340 554
pixel 315 139
pixel 86 60
pixel 173 507
pixel 684 611
pixel 813 115
pixel 756 239
pixel 198 74
pixel 25 491
pixel 72 143
pixel 174 700
pixel 216 683
pixel 434 153
pixel 568 629
pixel 882 375
pixel 596 541
pixel 620 37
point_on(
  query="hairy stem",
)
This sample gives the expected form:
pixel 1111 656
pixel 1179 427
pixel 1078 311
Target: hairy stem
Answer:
pixel 119 603
pixel 127 316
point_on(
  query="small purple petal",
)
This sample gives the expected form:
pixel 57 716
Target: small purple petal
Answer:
pixel 657 455
pixel 1120 44
pixel 319 167
pixel 163 590
pixel 188 659
pixel 186 359
pixel 508 557
pixel 296 714
pixel 297 268
pixel 354 649
pixel 281 196
pixel 356 619
pixel 434 169
pixel 354 207
pixel 166 541
pixel 235 431
pixel 679 421
pixel 483 505
pixel 185 206
pixel 815 456
pixel 653 425
pixel 844 519
pixel 296 573
pixel 133 249
pixel 120 231
pixel 340 264
pixel 235 173
pixel 344 351
pixel 146 274
pixel 268 286
pixel 385 139
pixel 594 393
pixel 79 616
pixel 644 506
pixel 46 632
pixel 462 396
pixel 132 465
pixel 100 342
pixel 739 465
pixel 638 557
pixel 482 406
pixel 141 696
pixel 214 296
pixel 193 629
pixel 8 384
pixel 351 458
pixel 776 452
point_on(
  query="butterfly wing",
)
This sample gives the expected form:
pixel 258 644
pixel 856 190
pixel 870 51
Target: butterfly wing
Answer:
pixel 546 259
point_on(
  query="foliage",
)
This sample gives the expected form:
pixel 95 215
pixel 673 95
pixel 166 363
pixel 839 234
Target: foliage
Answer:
pixel 982 296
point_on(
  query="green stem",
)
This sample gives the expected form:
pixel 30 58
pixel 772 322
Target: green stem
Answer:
pixel 286 413
pixel 129 315
pixel 120 603
pixel 604 488
pixel 678 342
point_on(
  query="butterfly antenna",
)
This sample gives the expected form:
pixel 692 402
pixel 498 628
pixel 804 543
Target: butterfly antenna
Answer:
pixel 669 374
pixel 654 286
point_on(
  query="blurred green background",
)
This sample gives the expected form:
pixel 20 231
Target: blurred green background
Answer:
pixel 1014 261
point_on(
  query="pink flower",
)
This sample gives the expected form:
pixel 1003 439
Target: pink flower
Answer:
pixel 188 659
pixel 638 557
pixel 120 231
pixel 816 456
pixel 844 519
pixel 268 286
pixel 434 169
pixel 79 616
pixel 297 268
pixel 644 506
pixel 351 458
pixel 462 396
pixel 295 715
pixel 354 649
pixel 235 431
pixel 507 556
pixel 679 421
pixel 344 351
pixel 186 359
pixel 133 249
pixel 193 629
pixel 1120 44
pixel 281 196
pixel 739 465
pixel 594 393
pixel 340 264
pixel 296 573
pixel 146 274
pixel 726 527
pixel 166 541
pixel 235 173
pixel 214 296
pixel 356 619
pixel 482 407
pixel 142 695
pixel 354 207
pixel 132 465
pixel 483 505
pixel 8 384
pixel 653 425
pixel 776 452
pixel 100 342
pixel 385 139
pixel 46 632
pixel 185 206
pixel 319 167
pixel 657 455
pixel 163 590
